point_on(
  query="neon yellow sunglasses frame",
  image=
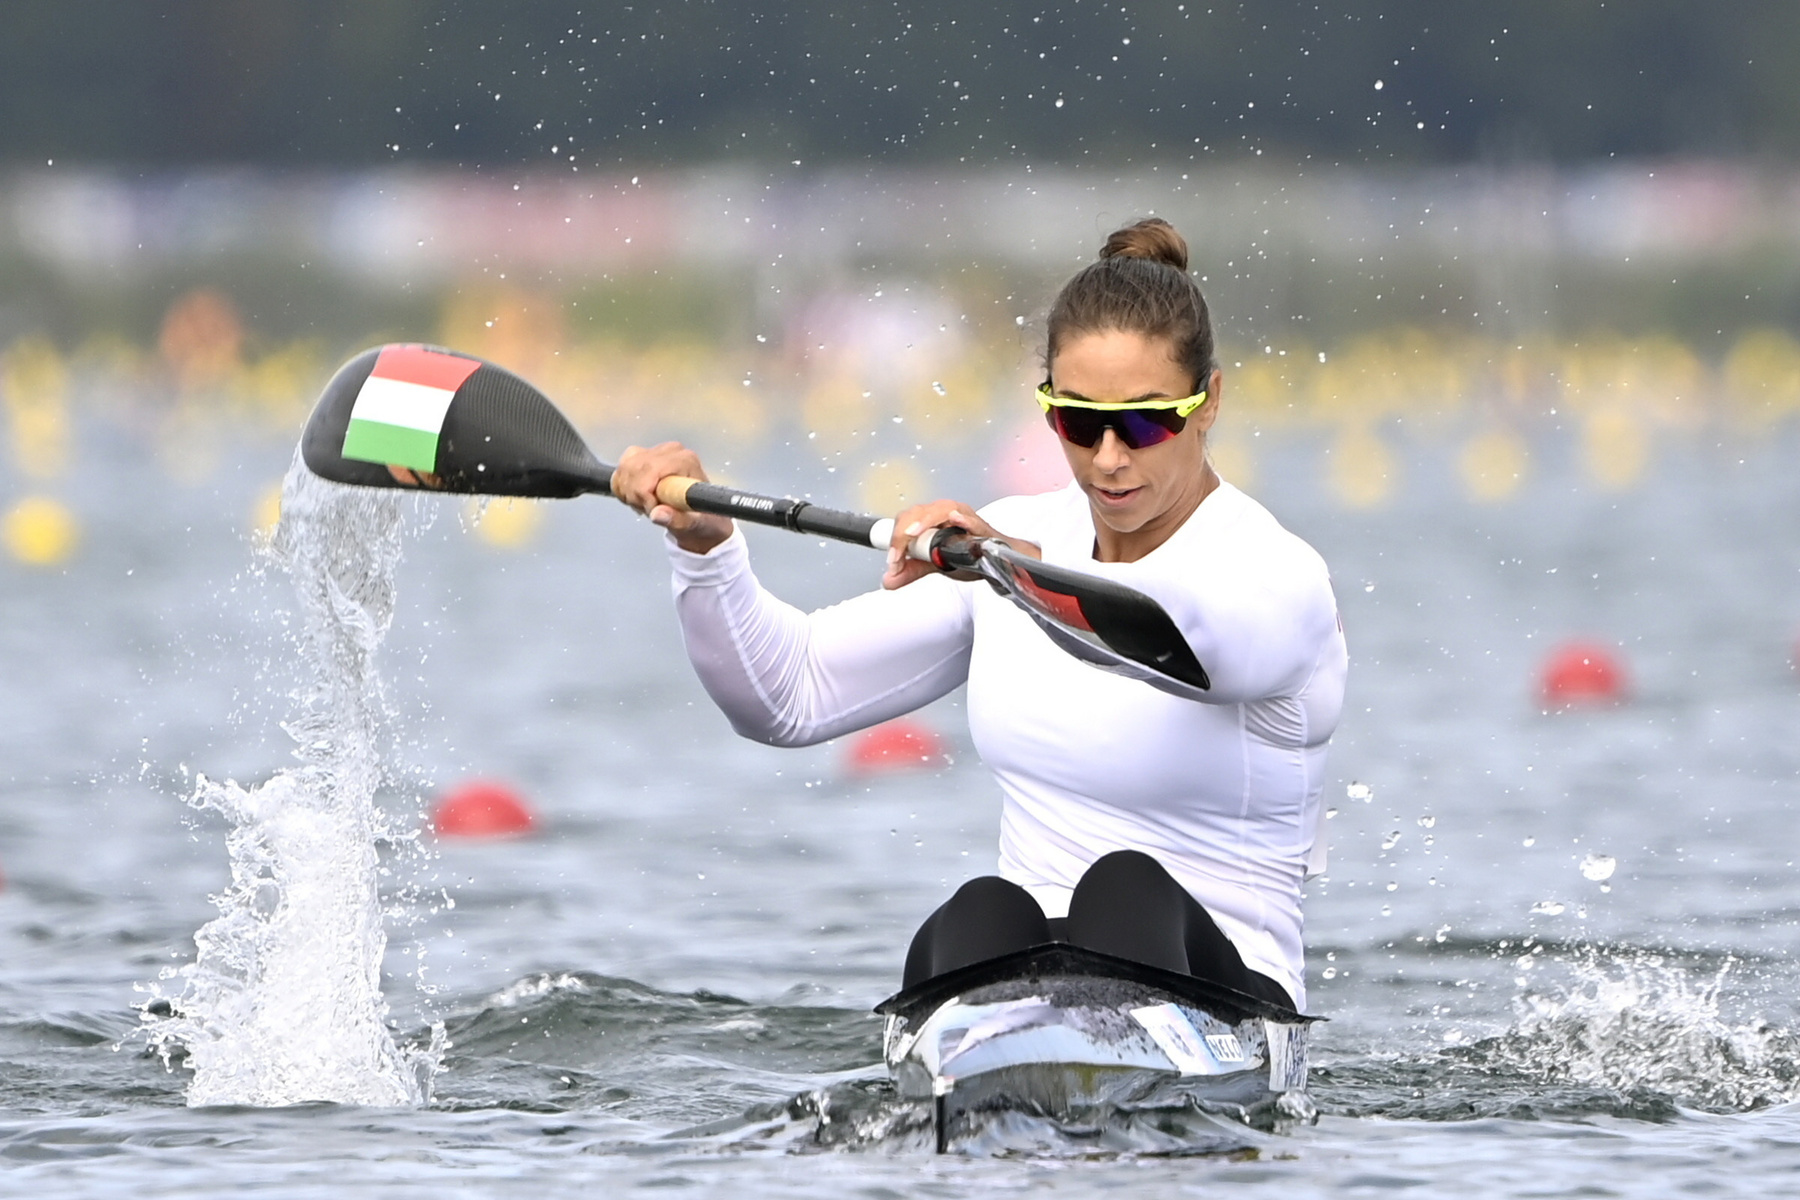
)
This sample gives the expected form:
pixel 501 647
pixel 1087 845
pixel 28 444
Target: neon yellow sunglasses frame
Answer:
pixel 1185 407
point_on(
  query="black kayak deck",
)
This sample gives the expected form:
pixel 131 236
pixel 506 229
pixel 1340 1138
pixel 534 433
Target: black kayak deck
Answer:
pixel 1065 961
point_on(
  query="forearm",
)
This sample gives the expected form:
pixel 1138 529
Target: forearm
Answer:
pixel 790 678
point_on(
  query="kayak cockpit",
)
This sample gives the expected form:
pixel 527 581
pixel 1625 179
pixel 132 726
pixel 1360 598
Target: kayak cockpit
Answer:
pixel 1060 1031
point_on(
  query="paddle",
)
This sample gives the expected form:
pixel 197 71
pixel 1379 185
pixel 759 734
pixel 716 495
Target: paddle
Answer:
pixel 421 417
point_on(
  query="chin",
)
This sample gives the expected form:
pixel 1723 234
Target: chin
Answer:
pixel 1119 520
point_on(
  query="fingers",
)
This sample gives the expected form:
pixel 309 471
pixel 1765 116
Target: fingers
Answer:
pixel 903 569
pixel 641 468
pixel 635 481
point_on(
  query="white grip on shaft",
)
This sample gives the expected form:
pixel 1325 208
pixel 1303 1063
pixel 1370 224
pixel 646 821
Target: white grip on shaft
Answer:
pixel 882 533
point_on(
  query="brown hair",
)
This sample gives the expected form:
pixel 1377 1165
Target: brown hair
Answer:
pixel 1140 284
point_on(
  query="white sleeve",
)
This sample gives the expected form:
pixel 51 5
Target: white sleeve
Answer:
pixel 790 678
pixel 1260 625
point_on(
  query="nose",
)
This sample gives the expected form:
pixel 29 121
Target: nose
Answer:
pixel 1111 454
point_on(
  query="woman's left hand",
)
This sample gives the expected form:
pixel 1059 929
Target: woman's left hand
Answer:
pixel 939 514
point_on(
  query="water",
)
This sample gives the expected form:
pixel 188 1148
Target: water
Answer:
pixel 283 1004
pixel 668 987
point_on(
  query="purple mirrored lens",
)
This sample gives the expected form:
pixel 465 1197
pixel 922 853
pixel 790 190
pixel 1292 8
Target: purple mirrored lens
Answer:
pixel 1136 427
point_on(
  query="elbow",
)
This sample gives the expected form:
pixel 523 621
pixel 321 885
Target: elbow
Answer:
pixel 784 734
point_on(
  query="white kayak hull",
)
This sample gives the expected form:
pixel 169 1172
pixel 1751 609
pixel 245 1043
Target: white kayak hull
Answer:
pixel 1065 1033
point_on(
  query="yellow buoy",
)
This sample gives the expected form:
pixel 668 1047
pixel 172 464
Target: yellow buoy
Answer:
pixel 40 531
pixel 887 487
pixel 1493 465
pixel 507 522
pixel 1616 447
pixel 1362 468
pixel 265 514
pixel 34 379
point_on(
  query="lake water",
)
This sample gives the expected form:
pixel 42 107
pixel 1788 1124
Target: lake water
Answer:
pixel 665 985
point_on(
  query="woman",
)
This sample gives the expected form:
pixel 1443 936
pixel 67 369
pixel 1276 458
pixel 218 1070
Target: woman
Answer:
pixel 1136 823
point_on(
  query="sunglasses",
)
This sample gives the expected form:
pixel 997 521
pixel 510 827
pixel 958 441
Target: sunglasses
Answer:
pixel 1139 423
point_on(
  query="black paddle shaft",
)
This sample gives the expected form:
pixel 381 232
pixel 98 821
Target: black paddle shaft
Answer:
pixel 782 512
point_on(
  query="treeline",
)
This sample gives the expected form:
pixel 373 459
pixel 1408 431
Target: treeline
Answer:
pixel 584 83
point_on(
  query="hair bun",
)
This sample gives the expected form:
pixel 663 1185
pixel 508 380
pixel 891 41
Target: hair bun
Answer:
pixel 1152 238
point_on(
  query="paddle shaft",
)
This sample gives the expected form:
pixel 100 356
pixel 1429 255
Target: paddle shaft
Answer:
pixel 945 547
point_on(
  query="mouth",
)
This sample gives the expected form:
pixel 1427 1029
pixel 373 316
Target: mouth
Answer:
pixel 1114 497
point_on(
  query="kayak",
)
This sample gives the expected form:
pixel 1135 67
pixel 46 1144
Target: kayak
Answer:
pixel 1068 1033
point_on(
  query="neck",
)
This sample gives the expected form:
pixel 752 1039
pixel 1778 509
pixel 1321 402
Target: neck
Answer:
pixel 1111 545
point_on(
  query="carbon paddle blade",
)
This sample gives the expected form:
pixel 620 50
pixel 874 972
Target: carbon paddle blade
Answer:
pixel 1105 624
pixel 414 416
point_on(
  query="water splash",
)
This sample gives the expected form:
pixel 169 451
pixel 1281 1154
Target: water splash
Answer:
pixel 1642 1025
pixel 283 1003
pixel 1618 1031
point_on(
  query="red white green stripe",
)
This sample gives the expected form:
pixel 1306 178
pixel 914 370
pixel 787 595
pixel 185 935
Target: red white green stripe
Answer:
pixel 400 410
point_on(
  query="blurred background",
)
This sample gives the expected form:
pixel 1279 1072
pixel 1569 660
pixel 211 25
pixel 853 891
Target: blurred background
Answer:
pixel 1483 236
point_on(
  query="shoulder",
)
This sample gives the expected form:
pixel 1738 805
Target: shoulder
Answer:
pixel 1240 528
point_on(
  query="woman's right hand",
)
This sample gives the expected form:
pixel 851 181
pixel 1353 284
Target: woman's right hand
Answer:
pixel 635 480
pixel 902 570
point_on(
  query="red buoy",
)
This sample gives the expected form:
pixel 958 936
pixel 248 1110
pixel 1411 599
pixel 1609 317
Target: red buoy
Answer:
pixel 1582 673
pixel 896 745
pixel 481 808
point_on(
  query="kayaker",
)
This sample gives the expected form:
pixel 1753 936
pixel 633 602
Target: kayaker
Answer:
pixel 1133 822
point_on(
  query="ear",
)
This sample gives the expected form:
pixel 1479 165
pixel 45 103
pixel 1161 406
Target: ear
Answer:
pixel 1209 412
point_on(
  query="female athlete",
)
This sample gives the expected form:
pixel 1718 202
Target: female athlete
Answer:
pixel 1163 830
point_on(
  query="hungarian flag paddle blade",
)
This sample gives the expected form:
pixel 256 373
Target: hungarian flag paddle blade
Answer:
pixel 418 416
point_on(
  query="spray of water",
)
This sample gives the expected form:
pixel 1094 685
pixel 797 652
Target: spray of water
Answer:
pixel 1635 1023
pixel 283 1003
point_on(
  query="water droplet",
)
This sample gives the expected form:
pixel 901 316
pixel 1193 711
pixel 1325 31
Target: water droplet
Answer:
pixel 1531 841
pixel 1547 908
pixel 1330 813
pixel 1387 843
pixel 1427 821
pixel 1360 791
pixel 1392 885
pixel 1059 102
pixel 1598 867
pixel 1387 910
pixel 1379 85
pixel 939 388
pixel 1329 972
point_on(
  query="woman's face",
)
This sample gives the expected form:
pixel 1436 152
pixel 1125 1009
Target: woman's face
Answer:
pixel 1139 497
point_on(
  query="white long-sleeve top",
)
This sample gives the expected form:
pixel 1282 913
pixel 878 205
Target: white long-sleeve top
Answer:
pixel 1225 793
